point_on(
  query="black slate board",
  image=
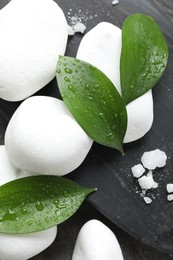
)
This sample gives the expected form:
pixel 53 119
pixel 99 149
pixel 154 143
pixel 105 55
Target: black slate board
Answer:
pixel 105 168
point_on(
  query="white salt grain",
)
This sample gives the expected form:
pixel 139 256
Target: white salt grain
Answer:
pixel 137 170
pixel 169 187
pixel 115 2
pixel 147 182
pixel 170 197
pixel 147 200
pixel 79 27
pixel 153 159
pixel 70 30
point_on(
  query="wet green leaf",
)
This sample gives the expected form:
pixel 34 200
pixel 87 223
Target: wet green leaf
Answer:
pixel 37 203
pixel 144 56
pixel 93 100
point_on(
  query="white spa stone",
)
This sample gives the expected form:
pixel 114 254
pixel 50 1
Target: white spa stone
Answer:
pixel 43 137
pixel 96 241
pixel 8 172
pixel 102 48
pixel 33 34
pixel 140 117
pixel 25 246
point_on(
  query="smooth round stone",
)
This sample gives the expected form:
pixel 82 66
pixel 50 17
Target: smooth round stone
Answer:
pixel 101 47
pixel 43 137
pixel 96 241
pixel 24 246
pixel 33 34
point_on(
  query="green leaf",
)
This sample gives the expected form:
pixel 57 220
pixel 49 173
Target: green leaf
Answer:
pixel 37 203
pixel 93 100
pixel 144 56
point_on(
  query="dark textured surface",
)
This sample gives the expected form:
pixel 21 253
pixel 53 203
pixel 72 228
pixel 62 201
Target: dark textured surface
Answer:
pixel 105 168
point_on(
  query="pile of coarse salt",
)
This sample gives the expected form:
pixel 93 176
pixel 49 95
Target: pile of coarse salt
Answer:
pixel 150 161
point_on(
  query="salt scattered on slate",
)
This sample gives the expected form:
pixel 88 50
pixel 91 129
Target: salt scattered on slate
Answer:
pixel 147 200
pixel 147 182
pixel 138 170
pixel 75 16
pixel 170 197
pixel 153 159
pixel 169 187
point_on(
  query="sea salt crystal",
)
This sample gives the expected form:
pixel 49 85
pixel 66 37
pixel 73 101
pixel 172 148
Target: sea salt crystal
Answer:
pixel 147 182
pixel 147 200
pixel 70 30
pixel 153 159
pixel 170 197
pixel 79 27
pixel 169 187
pixel 138 170
pixel 115 2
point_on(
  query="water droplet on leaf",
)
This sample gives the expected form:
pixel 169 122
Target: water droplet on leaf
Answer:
pixel 68 71
pixel 66 79
pixel 58 71
pixel 39 206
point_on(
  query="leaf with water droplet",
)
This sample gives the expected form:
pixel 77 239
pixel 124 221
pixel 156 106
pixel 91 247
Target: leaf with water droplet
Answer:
pixel 144 56
pixel 94 110
pixel 52 200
